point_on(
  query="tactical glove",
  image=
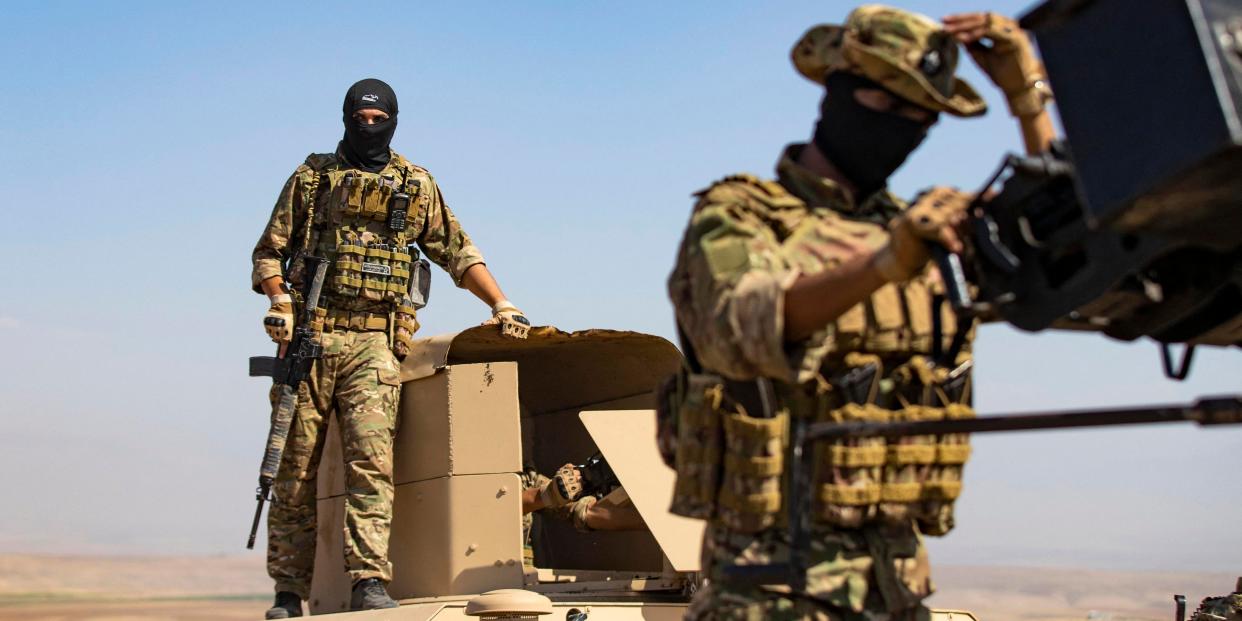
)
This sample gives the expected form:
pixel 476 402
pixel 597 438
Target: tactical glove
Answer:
pixel 278 322
pixel 563 488
pixel 1012 66
pixel 512 322
pixel 930 219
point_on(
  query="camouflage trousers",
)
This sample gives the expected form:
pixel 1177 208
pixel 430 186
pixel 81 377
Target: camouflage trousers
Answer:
pixel 358 379
pixel 877 573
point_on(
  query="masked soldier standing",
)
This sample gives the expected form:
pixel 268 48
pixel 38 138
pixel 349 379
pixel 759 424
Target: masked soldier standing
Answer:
pixel 811 297
pixel 369 211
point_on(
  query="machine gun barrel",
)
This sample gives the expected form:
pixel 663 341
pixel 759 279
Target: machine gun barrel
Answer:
pixel 1205 411
pixel 1219 410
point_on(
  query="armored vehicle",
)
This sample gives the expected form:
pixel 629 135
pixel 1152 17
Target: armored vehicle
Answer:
pixel 476 410
pixel 1133 232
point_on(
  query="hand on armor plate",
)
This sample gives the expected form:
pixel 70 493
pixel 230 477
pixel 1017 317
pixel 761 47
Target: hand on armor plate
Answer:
pixel 934 217
pixel 278 322
pixel 511 320
pixel 1003 51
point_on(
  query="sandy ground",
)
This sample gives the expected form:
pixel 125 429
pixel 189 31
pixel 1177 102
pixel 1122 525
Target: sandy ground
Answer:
pixel 185 610
pixel 1046 594
pixel 55 588
pixel 48 588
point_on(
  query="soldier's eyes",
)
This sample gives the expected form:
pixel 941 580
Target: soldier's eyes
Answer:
pixel 372 120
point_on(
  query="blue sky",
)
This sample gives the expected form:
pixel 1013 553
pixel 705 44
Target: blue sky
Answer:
pixel 146 143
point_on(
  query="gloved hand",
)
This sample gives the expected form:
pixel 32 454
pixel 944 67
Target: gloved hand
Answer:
pixel 278 322
pixel 1009 61
pixel 932 218
pixel 564 487
pixel 512 322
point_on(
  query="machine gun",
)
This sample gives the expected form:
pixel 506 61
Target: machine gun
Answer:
pixel 1132 227
pixel 288 372
pixel 1038 263
pixel 1207 411
pixel 1134 231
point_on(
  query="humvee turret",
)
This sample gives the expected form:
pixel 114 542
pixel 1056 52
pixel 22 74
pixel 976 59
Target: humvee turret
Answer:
pixel 476 410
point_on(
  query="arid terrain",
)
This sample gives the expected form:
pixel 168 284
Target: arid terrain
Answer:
pixel 1047 594
pixel 228 588
pixel 108 588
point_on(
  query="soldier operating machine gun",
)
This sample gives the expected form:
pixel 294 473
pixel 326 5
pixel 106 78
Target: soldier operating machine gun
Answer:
pixel 1130 232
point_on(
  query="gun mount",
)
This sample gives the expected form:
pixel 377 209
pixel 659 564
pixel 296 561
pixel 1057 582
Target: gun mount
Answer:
pixel 1132 227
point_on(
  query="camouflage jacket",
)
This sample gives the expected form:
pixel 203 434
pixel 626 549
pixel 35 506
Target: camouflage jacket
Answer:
pixel 747 241
pixel 1225 608
pixel 442 239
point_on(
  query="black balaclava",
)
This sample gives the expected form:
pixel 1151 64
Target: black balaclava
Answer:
pixel 866 145
pixel 366 146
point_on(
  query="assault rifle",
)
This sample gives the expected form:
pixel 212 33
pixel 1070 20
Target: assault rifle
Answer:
pixel 288 372
pixel 598 478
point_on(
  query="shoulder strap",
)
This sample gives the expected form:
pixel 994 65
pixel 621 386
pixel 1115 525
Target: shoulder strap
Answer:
pixel 692 359
pixel 314 165
pixel 319 161
pixel 767 186
pixel 764 191
pixel 309 197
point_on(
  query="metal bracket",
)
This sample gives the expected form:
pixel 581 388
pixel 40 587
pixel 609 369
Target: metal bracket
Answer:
pixel 1183 367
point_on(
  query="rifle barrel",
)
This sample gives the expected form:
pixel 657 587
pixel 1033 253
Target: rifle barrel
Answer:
pixel 258 512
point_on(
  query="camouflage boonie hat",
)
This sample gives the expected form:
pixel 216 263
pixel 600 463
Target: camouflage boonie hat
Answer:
pixel 907 53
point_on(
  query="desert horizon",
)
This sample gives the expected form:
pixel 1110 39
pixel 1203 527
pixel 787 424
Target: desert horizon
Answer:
pixel 62 587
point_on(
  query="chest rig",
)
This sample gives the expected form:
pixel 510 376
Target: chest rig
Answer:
pixel 368 225
pixel 730 445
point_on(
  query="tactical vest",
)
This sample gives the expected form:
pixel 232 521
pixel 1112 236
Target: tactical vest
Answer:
pixel 729 456
pixel 367 226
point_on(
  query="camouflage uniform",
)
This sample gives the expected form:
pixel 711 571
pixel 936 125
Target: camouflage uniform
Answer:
pixel 1224 608
pixel 358 377
pixel 747 241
